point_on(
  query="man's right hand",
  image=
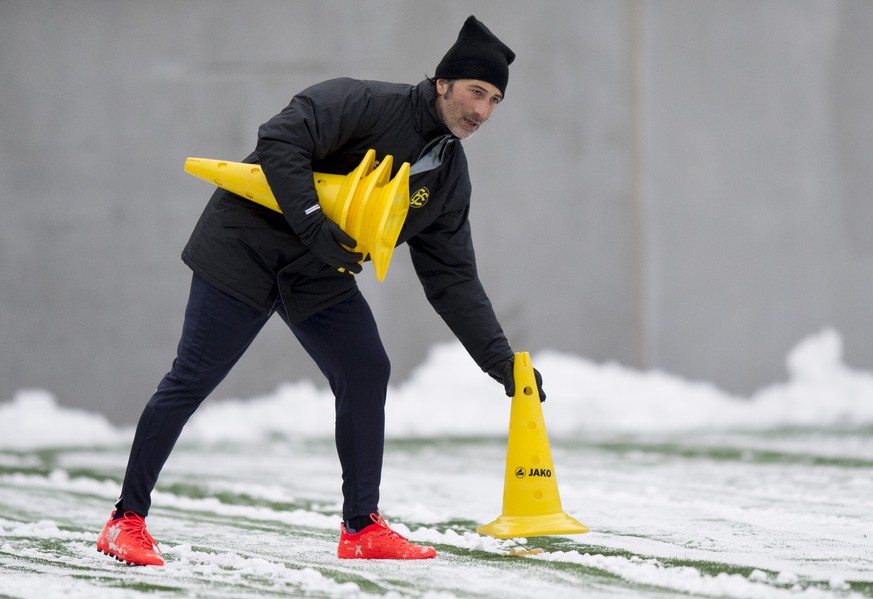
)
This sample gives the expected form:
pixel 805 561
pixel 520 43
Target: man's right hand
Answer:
pixel 326 240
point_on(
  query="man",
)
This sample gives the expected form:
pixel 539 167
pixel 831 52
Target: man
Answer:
pixel 250 262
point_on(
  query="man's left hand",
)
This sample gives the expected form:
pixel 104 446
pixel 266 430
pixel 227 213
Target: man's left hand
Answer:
pixel 504 373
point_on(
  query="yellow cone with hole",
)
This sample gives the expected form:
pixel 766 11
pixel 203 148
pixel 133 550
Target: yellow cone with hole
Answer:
pixel 531 503
pixel 367 204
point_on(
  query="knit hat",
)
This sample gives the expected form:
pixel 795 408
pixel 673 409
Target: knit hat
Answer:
pixel 477 54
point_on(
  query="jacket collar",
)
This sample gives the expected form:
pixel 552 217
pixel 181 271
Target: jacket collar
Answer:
pixel 426 120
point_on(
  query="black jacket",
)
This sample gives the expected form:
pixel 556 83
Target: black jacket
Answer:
pixel 254 254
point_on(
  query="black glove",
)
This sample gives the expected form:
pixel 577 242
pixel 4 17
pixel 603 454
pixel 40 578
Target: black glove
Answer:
pixel 503 373
pixel 324 237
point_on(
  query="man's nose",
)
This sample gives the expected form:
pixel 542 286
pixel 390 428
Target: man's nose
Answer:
pixel 483 109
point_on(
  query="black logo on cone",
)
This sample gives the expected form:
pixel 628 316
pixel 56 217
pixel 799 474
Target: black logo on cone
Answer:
pixel 519 472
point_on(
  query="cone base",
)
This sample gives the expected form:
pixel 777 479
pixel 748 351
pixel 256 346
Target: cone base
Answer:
pixel 510 527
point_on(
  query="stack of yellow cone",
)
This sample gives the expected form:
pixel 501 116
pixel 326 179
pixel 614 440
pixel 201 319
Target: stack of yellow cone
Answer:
pixel 367 204
pixel 531 503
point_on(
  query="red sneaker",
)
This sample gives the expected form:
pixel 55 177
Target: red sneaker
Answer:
pixel 377 541
pixel 127 540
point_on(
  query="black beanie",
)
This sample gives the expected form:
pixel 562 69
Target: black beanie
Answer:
pixel 477 54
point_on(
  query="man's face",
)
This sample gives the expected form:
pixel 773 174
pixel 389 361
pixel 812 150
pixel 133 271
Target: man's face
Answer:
pixel 464 104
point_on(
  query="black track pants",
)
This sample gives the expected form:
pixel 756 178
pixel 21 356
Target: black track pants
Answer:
pixel 344 342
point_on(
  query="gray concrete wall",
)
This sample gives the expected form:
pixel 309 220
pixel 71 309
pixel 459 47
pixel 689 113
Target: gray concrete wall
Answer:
pixel 677 184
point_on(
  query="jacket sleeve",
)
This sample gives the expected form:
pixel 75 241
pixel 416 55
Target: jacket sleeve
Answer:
pixel 315 123
pixel 445 262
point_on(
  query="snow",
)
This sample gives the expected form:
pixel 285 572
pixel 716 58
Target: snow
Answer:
pixel 584 396
pixel 687 489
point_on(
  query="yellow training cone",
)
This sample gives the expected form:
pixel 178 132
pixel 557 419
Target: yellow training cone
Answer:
pixel 367 204
pixel 531 503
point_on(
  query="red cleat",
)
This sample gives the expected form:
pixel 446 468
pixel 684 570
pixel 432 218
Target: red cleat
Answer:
pixel 127 540
pixel 377 541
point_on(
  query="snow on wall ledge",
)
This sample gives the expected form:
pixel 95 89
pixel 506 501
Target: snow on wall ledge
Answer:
pixel 448 395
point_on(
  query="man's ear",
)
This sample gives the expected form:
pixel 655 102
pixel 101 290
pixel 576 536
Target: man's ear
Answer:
pixel 442 85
